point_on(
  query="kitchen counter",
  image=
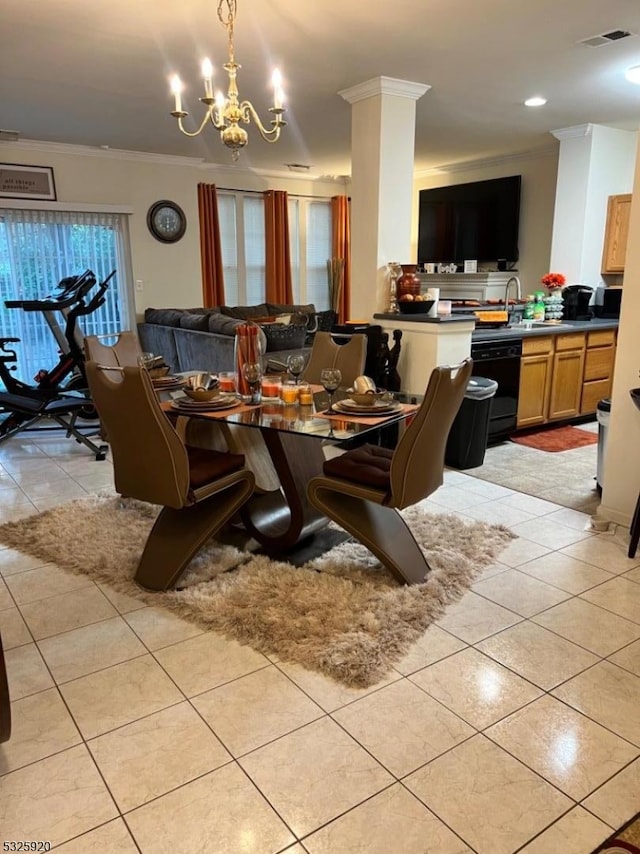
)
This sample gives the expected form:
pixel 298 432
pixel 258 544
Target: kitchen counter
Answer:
pixel 564 327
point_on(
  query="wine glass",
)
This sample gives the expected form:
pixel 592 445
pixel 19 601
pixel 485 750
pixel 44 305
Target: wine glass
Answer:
pixel 330 379
pixel 252 372
pixel 296 365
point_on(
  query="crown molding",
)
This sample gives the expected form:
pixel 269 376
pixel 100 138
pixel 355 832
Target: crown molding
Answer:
pixel 384 86
pixel 470 165
pixel 572 132
pixel 200 163
pixel 105 153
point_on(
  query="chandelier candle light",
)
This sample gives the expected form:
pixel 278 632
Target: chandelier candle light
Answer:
pixel 226 113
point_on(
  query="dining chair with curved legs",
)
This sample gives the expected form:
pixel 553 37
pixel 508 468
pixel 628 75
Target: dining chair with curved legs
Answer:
pixel 364 489
pixel 349 358
pixel 124 350
pixel 199 490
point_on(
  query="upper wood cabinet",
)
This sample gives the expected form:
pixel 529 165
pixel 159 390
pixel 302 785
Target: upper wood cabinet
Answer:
pixel 616 233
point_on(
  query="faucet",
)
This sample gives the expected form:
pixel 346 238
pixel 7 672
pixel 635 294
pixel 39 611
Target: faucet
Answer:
pixel 506 294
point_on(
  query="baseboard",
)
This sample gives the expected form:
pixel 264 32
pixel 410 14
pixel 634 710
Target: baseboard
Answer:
pixel 614 515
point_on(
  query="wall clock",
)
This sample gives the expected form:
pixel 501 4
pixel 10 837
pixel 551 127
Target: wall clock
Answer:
pixel 166 221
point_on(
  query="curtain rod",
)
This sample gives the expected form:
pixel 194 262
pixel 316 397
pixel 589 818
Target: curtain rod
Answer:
pixel 261 192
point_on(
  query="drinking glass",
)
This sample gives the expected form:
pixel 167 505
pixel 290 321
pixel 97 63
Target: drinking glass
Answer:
pixel 296 365
pixel 252 372
pixel 330 379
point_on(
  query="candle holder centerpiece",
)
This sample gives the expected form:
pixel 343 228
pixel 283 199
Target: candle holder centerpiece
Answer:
pixel 394 271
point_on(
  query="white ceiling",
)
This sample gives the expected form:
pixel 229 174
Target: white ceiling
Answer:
pixel 94 72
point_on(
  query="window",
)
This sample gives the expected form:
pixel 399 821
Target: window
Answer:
pixel 243 248
pixel 37 250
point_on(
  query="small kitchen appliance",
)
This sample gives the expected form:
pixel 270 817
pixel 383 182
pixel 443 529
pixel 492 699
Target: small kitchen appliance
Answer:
pixel 576 302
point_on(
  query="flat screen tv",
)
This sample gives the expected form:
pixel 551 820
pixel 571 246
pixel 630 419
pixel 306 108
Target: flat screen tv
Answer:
pixel 477 221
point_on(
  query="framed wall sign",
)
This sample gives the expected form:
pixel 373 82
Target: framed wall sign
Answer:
pixel 27 182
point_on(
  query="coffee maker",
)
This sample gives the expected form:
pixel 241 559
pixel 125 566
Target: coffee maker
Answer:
pixel 576 302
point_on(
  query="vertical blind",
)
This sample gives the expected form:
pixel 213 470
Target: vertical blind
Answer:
pixel 37 250
pixel 242 233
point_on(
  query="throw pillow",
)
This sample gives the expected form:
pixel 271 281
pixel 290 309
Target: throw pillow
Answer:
pixel 281 336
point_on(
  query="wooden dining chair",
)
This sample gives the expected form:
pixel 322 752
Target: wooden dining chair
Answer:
pixel 364 489
pixel 198 489
pixel 124 350
pixel 349 358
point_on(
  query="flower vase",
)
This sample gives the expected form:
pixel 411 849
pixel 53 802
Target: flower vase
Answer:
pixel 247 350
pixel 409 282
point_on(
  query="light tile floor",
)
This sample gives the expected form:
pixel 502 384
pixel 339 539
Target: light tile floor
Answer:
pixel 513 725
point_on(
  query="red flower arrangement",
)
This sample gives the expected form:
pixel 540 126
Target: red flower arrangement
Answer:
pixel 553 281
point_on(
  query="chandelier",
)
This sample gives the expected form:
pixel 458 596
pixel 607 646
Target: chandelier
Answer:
pixel 226 112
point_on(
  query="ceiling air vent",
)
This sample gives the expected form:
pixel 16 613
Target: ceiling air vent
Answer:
pixel 9 135
pixel 606 38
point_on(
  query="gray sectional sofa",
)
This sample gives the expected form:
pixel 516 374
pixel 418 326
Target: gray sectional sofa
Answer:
pixel 203 338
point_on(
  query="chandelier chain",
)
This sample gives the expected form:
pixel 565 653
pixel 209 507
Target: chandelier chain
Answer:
pixel 227 20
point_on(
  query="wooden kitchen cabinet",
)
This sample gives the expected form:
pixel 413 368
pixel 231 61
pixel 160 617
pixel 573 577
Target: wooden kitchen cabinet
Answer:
pixel 566 383
pixel 598 369
pixel 535 387
pixel 536 366
pixel 616 233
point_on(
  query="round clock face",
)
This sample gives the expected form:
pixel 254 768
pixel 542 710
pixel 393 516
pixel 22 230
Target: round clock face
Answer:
pixel 166 221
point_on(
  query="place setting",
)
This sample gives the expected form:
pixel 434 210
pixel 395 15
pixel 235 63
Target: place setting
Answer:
pixel 364 398
pixel 202 393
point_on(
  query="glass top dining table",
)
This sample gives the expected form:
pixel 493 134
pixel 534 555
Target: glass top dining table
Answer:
pixel 281 517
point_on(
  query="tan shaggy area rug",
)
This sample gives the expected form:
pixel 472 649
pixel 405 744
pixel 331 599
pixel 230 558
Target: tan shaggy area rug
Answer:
pixel 341 614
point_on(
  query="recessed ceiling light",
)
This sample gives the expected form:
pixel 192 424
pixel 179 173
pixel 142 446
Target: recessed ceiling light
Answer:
pixel 536 101
pixel 633 74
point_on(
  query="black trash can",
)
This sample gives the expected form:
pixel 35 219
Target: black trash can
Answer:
pixel 469 432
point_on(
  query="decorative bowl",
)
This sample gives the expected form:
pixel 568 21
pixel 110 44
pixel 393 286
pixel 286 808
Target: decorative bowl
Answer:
pixel 156 373
pixel 202 394
pixel 415 306
pixel 367 398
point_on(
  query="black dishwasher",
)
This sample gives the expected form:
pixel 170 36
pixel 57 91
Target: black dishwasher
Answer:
pixel 500 361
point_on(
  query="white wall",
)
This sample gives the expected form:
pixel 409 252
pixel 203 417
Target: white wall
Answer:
pixel 622 461
pixel 536 206
pixel 170 273
pixel 595 162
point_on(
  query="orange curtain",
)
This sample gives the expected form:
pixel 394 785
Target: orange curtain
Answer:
pixel 341 247
pixel 210 247
pixel 278 255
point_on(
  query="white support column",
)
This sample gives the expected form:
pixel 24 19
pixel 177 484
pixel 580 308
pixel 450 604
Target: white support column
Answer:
pixel 383 118
pixel 595 162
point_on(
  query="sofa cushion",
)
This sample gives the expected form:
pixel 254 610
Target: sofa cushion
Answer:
pixel 281 336
pixel 199 322
pixel 200 310
pixel 276 308
pixel 223 325
pixel 246 312
pixel 163 316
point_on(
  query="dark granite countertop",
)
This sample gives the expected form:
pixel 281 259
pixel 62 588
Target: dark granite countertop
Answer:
pixel 566 326
pixel 423 318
